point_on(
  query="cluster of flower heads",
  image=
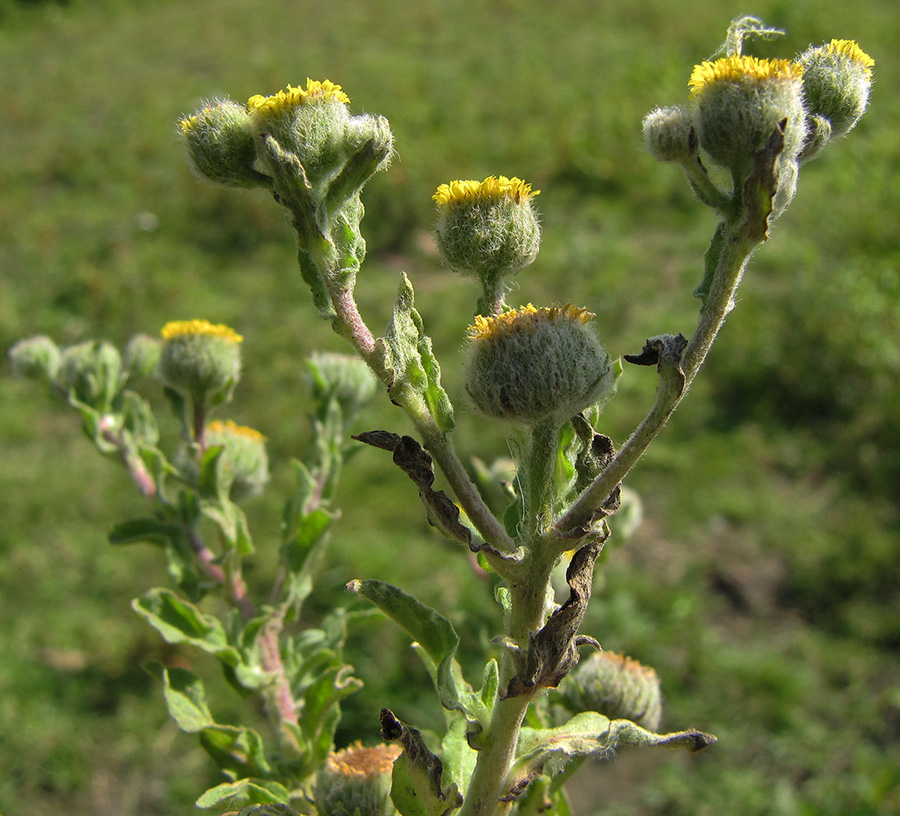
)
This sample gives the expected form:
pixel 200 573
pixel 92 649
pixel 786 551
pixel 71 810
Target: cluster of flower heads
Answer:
pixel 738 101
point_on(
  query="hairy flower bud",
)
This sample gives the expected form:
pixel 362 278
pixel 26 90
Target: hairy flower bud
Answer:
pixel 309 124
pixel 200 359
pixel 670 135
pixel 243 460
pixel 615 686
pixel 142 355
pixel 487 229
pixel 92 373
pixel 357 782
pixel 344 378
pixel 531 365
pixel 220 145
pixel 836 82
pixel 740 102
pixel 36 358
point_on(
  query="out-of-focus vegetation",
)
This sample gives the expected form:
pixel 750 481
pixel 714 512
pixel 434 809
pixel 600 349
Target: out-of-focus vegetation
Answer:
pixel 763 582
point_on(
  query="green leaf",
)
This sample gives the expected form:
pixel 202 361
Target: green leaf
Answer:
pixel 186 699
pixel 179 621
pixel 458 757
pixel 149 530
pixel 589 734
pixel 238 751
pixel 437 640
pixel 268 810
pixel 232 521
pixel 417 784
pixel 320 711
pixel 409 356
pixel 245 792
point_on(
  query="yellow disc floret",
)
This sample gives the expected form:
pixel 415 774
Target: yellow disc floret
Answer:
pixel 535 365
pixel 184 328
pixel 493 187
pixel 291 96
pixel 525 318
pixel 228 426
pixel 851 50
pixel 742 69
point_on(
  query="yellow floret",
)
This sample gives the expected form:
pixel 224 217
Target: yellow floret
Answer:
pixel 182 328
pixel 739 69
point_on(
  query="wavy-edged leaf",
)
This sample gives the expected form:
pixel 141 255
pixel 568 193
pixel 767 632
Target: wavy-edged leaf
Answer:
pixel 408 356
pixel 244 792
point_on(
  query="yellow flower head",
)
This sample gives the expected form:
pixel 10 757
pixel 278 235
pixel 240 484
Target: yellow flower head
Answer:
pixel 228 426
pixel 184 328
pixel 292 96
pixel 525 318
pixel 851 50
pixel 367 763
pixel 493 187
pixel 742 69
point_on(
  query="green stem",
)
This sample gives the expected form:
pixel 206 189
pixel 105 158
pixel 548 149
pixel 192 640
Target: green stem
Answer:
pixel 349 323
pixel 496 757
pixel 538 471
pixel 738 246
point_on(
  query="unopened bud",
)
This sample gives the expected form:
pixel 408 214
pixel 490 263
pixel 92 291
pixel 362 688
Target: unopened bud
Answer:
pixel 200 359
pixel 91 372
pixel 531 365
pixel 142 355
pixel 615 686
pixel 344 378
pixel 836 81
pixel 670 135
pixel 220 146
pixel 243 460
pixel 357 782
pixel 36 358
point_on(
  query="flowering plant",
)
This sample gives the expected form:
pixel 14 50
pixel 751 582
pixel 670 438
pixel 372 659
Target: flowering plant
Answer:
pixel 539 707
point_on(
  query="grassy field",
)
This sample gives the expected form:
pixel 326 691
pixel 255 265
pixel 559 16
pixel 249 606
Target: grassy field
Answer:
pixel 763 583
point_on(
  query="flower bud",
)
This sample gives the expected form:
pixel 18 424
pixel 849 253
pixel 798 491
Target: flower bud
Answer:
pixel 92 373
pixel 531 365
pixel 670 134
pixel 487 229
pixel 307 122
pixel 740 102
pixel 836 82
pixel 342 377
pixel 200 359
pixel 220 146
pixel 142 355
pixel 243 460
pixel 615 686
pixel 357 782
pixel 36 358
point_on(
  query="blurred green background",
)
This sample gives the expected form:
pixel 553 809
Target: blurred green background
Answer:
pixel 763 584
